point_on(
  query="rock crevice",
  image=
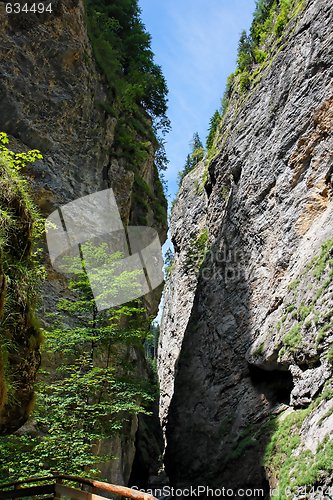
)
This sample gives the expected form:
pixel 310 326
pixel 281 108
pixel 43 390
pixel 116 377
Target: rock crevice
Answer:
pixel 255 336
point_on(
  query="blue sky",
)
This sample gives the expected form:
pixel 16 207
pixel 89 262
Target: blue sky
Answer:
pixel 195 42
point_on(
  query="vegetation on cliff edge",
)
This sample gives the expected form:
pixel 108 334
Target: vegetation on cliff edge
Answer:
pixel 137 88
pixel 20 274
pixel 255 50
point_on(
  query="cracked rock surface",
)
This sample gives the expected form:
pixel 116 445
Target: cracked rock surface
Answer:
pixel 249 335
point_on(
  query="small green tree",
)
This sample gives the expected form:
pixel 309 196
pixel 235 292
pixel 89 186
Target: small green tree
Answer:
pixel 168 261
pixel 192 159
pixel 245 56
pixel 261 13
pixel 90 391
pixel 213 126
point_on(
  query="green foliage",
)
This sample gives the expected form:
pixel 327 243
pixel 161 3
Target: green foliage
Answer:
pixel 244 443
pixel 309 313
pixel 304 312
pixel 249 437
pixel 269 22
pixel 244 81
pixel 196 155
pixel 169 262
pixel 227 93
pixel 278 453
pixel 245 56
pixel 20 271
pixel 147 198
pixel 294 285
pixel 260 349
pixel 213 127
pixel 260 56
pixel 93 391
pixel 283 17
pixel 16 160
pixel 319 263
pixel 293 338
pixel 197 250
pixel 261 20
pixel 302 469
pixel 225 191
pixel 151 346
pixel 123 50
pixel 330 355
pixel 323 332
pixel 138 90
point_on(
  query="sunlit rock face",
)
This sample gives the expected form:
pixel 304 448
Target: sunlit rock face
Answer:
pixel 248 337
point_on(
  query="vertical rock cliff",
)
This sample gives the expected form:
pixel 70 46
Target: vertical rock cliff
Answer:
pixel 19 277
pixel 247 334
pixel 53 97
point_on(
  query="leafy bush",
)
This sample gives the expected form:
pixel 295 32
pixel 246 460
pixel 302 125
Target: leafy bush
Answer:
pixel 244 81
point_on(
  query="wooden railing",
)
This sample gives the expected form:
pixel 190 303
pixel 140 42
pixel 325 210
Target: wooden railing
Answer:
pixel 54 487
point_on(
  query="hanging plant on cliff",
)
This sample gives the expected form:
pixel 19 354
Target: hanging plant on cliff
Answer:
pixel 20 275
pixel 17 160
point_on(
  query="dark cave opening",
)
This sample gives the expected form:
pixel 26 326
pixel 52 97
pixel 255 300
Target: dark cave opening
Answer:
pixel 276 385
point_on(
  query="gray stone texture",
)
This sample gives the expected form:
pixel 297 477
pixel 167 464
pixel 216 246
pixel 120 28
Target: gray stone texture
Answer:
pixel 269 211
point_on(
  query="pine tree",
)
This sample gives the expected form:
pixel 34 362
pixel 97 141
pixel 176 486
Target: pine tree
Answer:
pixel 192 159
pixel 213 126
pixel 245 56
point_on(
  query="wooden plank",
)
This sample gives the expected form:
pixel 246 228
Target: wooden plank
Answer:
pixel 73 494
pixel 98 487
pixel 101 487
pixel 28 492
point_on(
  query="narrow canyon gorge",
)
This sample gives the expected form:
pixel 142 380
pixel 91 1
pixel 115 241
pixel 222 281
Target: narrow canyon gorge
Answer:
pixel 242 392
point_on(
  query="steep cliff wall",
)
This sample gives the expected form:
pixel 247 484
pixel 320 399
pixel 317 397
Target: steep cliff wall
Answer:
pixel 250 404
pixel 53 97
pixel 19 278
pixel 189 238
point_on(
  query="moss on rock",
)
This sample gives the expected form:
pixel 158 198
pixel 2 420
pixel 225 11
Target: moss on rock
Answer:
pixel 20 273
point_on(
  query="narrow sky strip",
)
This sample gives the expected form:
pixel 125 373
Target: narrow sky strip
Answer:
pixel 195 42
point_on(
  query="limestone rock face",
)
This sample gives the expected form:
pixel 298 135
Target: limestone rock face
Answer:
pixel 249 335
pixel 188 222
pixel 52 98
